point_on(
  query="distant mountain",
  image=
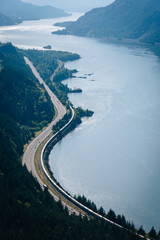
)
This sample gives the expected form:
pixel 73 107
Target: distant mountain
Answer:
pixel 26 11
pixel 5 21
pixel 123 19
pixel 72 5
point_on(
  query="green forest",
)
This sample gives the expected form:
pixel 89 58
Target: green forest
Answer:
pixel 26 211
pixel 46 62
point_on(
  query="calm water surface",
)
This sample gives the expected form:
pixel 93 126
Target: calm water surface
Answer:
pixel 112 158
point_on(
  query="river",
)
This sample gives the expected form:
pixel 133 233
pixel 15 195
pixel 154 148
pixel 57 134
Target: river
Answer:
pixel 113 158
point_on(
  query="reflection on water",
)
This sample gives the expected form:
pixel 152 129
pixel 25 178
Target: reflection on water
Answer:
pixel 113 157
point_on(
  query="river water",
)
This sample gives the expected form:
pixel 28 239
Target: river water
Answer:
pixel 113 158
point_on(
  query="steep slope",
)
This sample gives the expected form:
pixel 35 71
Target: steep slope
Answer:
pixel 27 11
pixel 24 104
pixel 137 20
pixel 5 21
pixel 26 211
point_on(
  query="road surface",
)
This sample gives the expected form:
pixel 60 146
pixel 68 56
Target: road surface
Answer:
pixel 60 64
pixel 29 154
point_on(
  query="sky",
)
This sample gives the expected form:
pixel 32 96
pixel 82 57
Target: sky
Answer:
pixel 72 5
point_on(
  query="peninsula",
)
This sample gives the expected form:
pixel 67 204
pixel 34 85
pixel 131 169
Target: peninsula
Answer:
pixel 137 20
pixel 12 12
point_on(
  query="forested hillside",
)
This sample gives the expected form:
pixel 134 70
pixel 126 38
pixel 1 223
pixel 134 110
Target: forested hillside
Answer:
pixel 136 20
pixel 5 21
pixel 24 103
pixel 26 211
pixel 46 62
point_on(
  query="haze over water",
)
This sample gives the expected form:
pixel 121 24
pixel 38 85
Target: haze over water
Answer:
pixel 113 157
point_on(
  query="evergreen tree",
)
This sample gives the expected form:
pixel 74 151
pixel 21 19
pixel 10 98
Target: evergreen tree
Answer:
pixel 141 231
pixel 153 233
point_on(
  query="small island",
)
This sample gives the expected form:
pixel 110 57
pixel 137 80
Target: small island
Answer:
pixel 48 47
pixel 75 90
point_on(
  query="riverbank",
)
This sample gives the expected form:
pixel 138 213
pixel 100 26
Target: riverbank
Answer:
pixel 44 173
pixel 39 147
pixel 117 122
pixel 121 139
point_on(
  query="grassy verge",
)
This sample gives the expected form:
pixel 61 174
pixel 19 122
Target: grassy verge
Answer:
pixel 37 133
pixel 42 177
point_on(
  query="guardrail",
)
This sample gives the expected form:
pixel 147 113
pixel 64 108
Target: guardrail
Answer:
pixel 61 191
pixel 65 194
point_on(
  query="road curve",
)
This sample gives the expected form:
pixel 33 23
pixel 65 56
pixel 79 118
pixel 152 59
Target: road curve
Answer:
pixel 28 157
pixel 60 64
pixel 29 154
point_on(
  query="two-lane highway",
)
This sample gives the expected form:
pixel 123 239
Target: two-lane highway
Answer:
pixel 29 154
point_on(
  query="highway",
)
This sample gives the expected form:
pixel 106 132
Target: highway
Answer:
pixel 60 64
pixel 29 157
pixel 29 154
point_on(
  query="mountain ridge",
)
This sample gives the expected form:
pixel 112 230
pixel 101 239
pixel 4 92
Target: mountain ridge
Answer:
pixel 21 11
pixel 138 20
pixel 5 21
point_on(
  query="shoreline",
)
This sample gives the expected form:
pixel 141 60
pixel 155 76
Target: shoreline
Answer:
pixel 85 210
pixel 73 205
pixel 31 150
